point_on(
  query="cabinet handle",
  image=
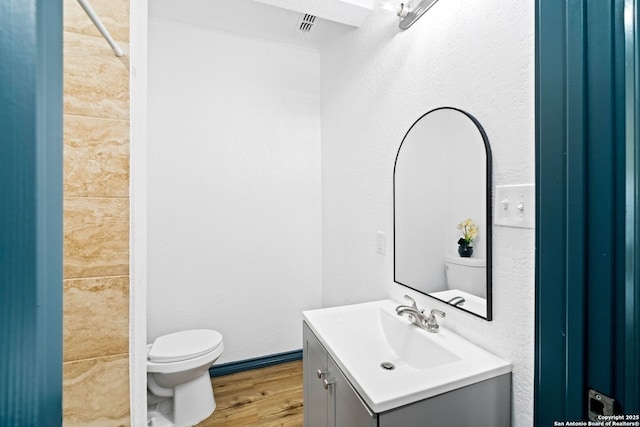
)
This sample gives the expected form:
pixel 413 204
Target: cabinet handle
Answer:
pixel 326 384
pixel 320 373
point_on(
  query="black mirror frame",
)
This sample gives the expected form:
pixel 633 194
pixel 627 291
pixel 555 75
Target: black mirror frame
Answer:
pixel 489 212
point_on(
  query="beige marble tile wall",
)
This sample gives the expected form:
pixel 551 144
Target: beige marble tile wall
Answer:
pixel 96 217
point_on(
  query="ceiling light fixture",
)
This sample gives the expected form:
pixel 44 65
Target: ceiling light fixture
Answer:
pixel 407 12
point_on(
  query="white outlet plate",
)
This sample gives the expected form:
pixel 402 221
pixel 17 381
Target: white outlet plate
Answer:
pixel 515 206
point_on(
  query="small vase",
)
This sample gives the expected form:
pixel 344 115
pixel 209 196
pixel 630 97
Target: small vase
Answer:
pixel 465 251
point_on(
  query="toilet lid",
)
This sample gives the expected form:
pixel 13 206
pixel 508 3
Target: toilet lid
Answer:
pixel 184 345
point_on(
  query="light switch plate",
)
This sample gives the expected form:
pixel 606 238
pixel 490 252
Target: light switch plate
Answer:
pixel 515 206
pixel 381 242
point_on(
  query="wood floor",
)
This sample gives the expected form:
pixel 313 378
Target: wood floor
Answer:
pixel 266 397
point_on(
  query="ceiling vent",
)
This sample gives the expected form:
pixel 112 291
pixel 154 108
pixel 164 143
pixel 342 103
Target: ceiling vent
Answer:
pixel 306 23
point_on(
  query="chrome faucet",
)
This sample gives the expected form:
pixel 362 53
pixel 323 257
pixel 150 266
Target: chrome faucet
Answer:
pixel 417 316
pixel 457 301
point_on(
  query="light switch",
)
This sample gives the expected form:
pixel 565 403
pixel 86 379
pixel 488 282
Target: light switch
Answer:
pixel 515 206
pixel 381 242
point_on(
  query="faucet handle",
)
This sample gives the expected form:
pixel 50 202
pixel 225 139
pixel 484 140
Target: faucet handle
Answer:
pixel 413 302
pixel 432 322
pixel 438 312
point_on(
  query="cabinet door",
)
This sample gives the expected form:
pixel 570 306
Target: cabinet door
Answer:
pixel 346 409
pixel 315 395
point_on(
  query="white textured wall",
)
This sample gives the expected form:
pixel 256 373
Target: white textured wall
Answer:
pixel 376 81
pixel 233 187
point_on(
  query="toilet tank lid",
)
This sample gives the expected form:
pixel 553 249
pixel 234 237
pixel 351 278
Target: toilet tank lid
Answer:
pixel 184 345
pixel 468 261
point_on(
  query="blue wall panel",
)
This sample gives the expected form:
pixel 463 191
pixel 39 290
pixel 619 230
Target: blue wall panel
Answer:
pixel 31 213
pixel 586 308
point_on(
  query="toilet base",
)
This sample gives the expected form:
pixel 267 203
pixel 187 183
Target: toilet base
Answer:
pixel 159 411
pixel 191 403
pixel 158 419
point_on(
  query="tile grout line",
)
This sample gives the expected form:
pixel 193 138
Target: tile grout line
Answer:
pixel 96 277
pixel 99 37
pixel 95 358
pixel 96 117
pixel 96 197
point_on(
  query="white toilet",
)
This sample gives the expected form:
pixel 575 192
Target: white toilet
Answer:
pixel 467 274
pixel 178 382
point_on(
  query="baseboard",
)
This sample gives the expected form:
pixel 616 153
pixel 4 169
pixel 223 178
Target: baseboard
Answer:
pixel 258 362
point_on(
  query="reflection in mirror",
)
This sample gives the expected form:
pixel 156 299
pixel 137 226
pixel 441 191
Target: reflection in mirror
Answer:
pixel 442 210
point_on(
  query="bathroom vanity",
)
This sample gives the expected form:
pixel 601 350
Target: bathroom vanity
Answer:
pixel 366 366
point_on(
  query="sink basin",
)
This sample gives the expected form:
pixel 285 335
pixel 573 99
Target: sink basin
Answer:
pixel 409 345
pixel 362 337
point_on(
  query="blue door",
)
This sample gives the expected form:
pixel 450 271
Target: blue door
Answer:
pixel 30 213
pixel 588 211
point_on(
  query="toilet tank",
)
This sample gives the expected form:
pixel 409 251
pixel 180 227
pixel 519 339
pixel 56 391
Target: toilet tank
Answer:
pixel 467 274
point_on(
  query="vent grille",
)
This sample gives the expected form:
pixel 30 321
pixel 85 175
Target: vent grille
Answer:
pixel 306 23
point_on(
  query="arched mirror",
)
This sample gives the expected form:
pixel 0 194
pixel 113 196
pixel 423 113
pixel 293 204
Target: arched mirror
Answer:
pixel 442 210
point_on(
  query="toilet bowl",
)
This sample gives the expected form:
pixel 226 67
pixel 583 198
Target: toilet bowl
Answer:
pixel 178 383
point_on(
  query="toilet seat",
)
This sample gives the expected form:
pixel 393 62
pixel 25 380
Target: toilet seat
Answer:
pixel 184 345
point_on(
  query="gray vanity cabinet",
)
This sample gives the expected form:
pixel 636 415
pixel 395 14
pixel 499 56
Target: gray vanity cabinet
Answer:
pixel 483 404
pixel 315 360
pixel 345 406
pixel 337 405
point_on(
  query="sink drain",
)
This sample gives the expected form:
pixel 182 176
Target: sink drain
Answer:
pixel 388 366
